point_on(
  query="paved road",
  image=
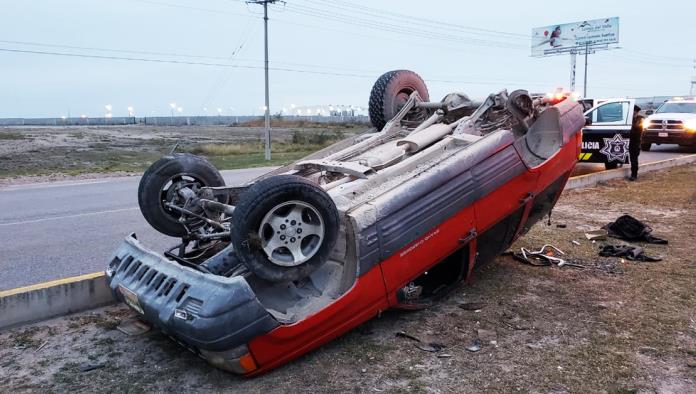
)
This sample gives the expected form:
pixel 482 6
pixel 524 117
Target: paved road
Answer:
pixel 657 153
pixel 55 230
pixel 61 229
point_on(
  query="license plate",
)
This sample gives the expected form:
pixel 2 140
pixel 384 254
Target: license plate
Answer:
pixel 663 134
pixel 131 299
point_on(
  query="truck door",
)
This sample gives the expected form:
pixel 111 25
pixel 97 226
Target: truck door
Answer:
pixel 605 139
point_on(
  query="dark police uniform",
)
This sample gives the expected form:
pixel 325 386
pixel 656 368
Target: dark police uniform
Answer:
pixel 634 144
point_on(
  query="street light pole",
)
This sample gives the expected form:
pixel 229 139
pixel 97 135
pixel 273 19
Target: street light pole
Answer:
pixel 267 107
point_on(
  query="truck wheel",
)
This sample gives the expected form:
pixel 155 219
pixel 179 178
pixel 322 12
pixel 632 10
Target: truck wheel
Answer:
pixel 611 165
pixel 645 147
pixel 284 227
pixel 160 182
pixel 390 92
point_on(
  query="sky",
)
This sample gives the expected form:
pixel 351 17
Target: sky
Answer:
pixel 74 57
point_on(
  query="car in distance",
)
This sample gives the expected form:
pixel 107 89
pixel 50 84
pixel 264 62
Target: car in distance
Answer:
pixel 674 122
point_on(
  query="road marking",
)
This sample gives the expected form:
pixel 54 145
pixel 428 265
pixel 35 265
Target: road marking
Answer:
pixel 51 283
pixel 77 215
pixel 42 185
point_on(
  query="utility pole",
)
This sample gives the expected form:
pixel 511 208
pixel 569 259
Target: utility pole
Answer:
pixel 267 107
pixel 587 51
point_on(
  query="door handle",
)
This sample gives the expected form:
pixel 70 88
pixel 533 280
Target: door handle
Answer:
pixel 469 236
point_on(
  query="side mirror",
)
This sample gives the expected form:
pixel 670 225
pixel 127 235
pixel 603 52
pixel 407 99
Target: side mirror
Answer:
pixel 588 120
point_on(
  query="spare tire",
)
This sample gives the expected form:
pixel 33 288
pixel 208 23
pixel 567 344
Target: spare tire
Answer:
pixel 390 92
pixel 284 227
pixel 161 179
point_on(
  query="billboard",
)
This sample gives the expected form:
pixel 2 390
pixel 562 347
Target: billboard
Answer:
pixel 554 39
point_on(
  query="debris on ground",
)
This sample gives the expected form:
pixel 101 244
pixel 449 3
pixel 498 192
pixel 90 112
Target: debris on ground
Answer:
pixel 475 346
pixel 628 228
pixel 543 257
pixel 431 347
pixel 596 235
pixel 91 367
pixel 402 334
pixel 134 327
pixel 472 306
pixel 633 253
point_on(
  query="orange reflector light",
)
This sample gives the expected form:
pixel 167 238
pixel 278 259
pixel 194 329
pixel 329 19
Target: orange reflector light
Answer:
pixel 247 363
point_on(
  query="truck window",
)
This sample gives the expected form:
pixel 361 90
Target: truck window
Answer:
pixel 611 113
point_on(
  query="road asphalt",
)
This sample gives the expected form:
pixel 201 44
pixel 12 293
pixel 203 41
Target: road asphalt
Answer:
pixel 60 229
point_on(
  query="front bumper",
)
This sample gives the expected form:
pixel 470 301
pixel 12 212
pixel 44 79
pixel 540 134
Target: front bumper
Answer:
pixel 672 137
pixel 212 315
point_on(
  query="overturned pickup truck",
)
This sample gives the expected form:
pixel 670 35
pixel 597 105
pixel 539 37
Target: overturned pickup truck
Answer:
pixel 388 219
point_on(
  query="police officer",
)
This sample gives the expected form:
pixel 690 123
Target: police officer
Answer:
pixel 635 142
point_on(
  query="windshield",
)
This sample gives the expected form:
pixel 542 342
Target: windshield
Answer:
pixel 682 108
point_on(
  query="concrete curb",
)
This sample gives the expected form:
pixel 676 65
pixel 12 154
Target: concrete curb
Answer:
pixel 45 300
pixel 591 180
pixel 61 297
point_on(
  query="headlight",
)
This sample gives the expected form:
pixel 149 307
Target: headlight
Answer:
pixel 690 124
pixel 646 123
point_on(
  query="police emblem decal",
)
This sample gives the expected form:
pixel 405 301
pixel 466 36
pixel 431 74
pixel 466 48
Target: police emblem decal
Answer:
pixel 615 149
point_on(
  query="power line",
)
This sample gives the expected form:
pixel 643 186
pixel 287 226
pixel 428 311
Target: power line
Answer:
pixel 187 7
pixel 222 81
pixel 233 56
pixel 184 62
pixel 394 28
pixel 411 20
pixel 409 31
pixel 140 52
pixel 454 80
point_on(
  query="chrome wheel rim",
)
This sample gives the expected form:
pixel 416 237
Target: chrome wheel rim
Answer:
pixel 291 233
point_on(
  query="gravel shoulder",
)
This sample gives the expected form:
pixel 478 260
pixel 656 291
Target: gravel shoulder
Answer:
pixel 615 326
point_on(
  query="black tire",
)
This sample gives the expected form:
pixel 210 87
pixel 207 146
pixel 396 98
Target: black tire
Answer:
pixel 256 202
pixel 390 92
pixel 159 175
pixel 611 165
pixel 645 147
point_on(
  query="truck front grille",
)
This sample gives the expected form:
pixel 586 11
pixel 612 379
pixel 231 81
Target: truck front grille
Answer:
pixel 136 274
pixel 666 125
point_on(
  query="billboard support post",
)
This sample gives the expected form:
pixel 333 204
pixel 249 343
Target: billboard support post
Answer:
pixel 573 58
pixel 584 89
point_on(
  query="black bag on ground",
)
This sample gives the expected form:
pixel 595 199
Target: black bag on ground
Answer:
pixel 631 229
pixel 634 253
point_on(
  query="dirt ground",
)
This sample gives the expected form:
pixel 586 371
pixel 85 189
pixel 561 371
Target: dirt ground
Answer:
pixel 85 151
pixel 614 327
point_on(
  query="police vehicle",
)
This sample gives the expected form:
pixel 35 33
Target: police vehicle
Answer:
pixel 673 123
pixel 605 137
